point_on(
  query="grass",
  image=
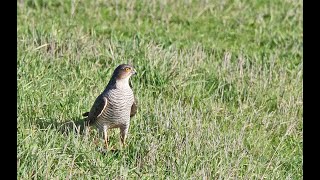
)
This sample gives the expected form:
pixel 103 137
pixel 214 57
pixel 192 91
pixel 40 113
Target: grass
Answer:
pixel 219 86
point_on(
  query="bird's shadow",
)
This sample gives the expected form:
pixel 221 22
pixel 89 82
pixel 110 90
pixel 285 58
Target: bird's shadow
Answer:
pixel 74 125
pixel 78 125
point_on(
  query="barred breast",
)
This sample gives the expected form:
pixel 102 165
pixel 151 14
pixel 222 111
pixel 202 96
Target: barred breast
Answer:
pixel 117 112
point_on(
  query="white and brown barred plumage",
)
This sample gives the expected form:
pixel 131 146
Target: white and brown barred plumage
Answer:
pixel 114 107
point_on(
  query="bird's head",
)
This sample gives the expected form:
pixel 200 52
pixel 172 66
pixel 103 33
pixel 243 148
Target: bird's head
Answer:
pixel 124 71
pixel 122 74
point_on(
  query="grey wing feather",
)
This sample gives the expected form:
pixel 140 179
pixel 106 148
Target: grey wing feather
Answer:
pixel 134 108
pixel 98 107
pixel 85 114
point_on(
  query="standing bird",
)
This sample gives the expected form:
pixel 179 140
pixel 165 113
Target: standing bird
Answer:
pixel 114 107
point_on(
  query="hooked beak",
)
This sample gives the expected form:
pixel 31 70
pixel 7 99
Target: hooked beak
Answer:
pixel 134 72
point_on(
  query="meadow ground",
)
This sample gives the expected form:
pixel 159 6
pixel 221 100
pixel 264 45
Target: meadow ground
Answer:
pixel 219 86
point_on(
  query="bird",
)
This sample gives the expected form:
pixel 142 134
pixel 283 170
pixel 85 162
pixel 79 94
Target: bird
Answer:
pixel 115 105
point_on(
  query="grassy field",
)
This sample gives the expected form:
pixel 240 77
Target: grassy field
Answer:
pixel 219 86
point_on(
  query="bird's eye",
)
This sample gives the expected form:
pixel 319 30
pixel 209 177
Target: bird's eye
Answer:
pixel 127 69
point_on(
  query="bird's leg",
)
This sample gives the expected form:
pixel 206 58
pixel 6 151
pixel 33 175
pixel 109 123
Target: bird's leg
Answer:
pixel 123 135
pixel 105 129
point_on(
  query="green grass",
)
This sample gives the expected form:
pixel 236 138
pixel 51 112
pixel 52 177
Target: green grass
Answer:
pixel 219 86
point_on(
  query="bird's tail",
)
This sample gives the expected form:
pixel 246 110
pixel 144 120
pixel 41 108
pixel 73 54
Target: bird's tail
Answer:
pixel 85 114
